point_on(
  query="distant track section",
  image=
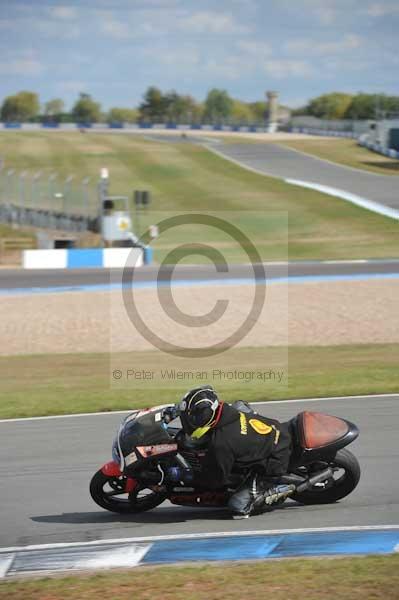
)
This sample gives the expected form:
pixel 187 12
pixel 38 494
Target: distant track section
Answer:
pixel 282 162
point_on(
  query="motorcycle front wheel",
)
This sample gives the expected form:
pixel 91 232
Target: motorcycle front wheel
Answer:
pixel 345 478
pixel 109 493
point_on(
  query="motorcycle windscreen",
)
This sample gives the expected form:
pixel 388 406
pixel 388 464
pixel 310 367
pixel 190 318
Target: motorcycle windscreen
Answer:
pixel 142 431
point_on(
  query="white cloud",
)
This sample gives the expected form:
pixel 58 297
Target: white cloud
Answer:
pixel 161 3
pixel 283 68
pixel 190 61
pixel 341 64
pixel 116 29
pixel 26 66
pixel 43 27
pixel 326 15
pixel 349 42
pixel 337 12
pixel 256 49
pixel 382 9
pixel 180 58
pixel 325 11
pixel 74 86
pixel 64 13
pixel 210 22
pixel 231 68
pixel 158 21
pixel 6 24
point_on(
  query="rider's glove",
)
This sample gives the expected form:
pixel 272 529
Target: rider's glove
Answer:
pixel 169 413
pixel 179 475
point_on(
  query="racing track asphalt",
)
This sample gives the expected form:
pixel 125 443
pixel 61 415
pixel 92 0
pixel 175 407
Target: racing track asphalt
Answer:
pixel 47 465
pixel 279 161
pixel 50 278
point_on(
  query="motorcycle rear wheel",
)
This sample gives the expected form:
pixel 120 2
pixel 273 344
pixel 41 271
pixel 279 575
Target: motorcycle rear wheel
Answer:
pixel 336 488
pixel 115 500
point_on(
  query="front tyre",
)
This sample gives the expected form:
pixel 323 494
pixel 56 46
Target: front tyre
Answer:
pixel 109 493
pixel 345 479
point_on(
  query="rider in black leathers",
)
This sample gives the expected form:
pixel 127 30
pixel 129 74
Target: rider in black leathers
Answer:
pixel 235 436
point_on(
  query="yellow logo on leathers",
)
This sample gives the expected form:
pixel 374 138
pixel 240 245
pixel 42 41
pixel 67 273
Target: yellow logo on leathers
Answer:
pixel 260 427
pixel 243 424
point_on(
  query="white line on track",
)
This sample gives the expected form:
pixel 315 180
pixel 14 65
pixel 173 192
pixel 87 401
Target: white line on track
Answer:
pixel 5 562
pixel 340 262
pixel 371 205
pixel 192 536
pixel 124 412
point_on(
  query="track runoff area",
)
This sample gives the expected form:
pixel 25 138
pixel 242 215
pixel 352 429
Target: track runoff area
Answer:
pixel 57 527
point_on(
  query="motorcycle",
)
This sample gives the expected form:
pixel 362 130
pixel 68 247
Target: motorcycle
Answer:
pixel 321 469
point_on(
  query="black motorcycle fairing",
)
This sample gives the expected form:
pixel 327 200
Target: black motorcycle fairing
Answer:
pixel 141 429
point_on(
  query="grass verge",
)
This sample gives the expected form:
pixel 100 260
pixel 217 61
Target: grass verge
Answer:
pixel 71 383
pixel 346 152
pixel 10 232
pixel 186 177
pixel 374 577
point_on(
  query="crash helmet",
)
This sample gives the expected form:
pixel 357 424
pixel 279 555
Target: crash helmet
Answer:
pixel 200 410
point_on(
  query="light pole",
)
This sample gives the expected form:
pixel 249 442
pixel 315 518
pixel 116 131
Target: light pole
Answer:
pixel 67 189
pixel 51 194
pixel 33 188
pixel 22 188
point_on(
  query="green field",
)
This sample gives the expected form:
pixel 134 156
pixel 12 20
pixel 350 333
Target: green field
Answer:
pixel 372 578
pixel 185 177
pixel 346 152
pixel 72 383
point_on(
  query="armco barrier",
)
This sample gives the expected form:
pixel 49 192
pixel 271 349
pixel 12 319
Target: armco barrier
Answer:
pixel 390 152
pixel 323 132
pixel 132 126
pixel 81 258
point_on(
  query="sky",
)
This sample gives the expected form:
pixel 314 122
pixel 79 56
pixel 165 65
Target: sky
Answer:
pixel 115 49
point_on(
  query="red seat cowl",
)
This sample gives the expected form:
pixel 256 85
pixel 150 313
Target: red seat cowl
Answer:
pixel 319 430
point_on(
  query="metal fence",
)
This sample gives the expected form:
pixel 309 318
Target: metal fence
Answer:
pixel 48 200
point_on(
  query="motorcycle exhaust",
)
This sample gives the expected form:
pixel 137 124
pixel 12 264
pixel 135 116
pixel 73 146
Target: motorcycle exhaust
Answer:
pixel 308 483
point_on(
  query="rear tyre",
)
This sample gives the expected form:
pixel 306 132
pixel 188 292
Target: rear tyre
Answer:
pixel 343 483
pixel 108 492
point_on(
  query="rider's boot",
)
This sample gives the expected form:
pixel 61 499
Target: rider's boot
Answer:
pixel 277 494
pixel 258 496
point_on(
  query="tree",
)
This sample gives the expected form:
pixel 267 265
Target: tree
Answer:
pixel 181 109
pixel 20 107
pixel 242 112
pixel 371 106
pixel 54 107
pixel 218 106
pixel 329 106
pixel 122 115
pixel 259 111
pixel 86 109
pixel 153 107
